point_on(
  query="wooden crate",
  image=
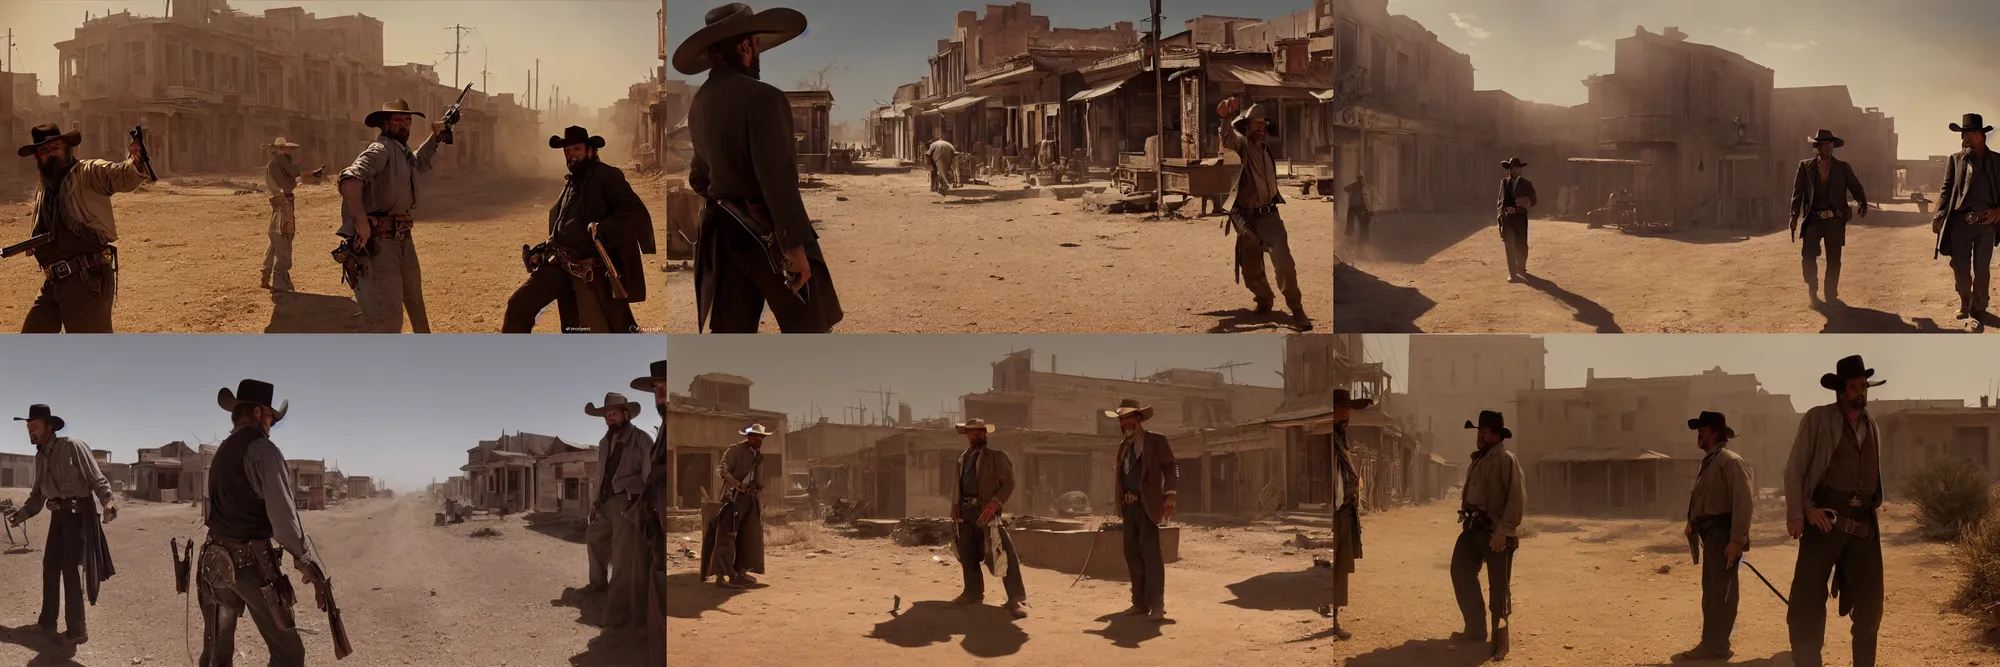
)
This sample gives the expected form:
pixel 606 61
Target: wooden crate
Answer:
pixel 1199 181
pixel 1135 180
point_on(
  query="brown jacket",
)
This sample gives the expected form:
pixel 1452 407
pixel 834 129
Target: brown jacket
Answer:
pixel 1159 475
pixel 995 473
pixel 1723 487
pixel 1841 182
pixel 1494 484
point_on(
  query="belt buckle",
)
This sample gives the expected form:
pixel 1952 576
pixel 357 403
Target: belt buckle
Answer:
pixel 62 269
pixel 1826 215
pixel 1854 502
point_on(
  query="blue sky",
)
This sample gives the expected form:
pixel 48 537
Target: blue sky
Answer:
pixel 931 372
pixel 400 408
pixel 1912 58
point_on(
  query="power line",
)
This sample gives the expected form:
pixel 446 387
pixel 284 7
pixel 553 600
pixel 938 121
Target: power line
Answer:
pixel 457 50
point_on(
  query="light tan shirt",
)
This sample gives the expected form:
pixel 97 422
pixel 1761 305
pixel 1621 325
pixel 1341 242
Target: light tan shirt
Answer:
pixel 1495 485
pixel 1723 487
pixel 1820 433
pixel 281 175
pixel 388 173
pixel 64 469
pixel 86 194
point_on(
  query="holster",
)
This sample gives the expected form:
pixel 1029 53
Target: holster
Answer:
pixel 1475 520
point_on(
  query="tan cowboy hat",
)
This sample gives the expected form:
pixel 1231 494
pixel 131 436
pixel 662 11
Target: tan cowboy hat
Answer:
pixel 613 400
pixel 395 106
pixel 43 134
pixel 280 143
pixel 755 429
pixel 251 392
pixel 976 424
pixel 658 376
pixel 1129 406
pixel 771 26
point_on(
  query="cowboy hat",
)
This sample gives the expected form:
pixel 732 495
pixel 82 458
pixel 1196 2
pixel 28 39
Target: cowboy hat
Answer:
pixel 1512 162
pixel 1716 420
pixel 771 26
pixel 976 424
pixel 280 143
pixel 1341 398
pixel 1129 406
pixel 42 134
pixel 754 429
pixel 613 400
pixel 1973 123
pixel 1489 419
pixel 251 392
pixel 659 375
pixel 39 411
pixel 576 135
pixel 1850 367
pixel 392 107
pixel 1255 111
pixel 1826 135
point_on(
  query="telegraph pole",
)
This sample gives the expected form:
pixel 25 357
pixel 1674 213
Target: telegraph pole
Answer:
pixel 1159 120
pixel 10 53
pixel 457 49
pixel 536 97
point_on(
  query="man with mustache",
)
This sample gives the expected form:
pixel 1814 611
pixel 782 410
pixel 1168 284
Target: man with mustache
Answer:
pixel 1965 222
pixel 567 270
pixel 1252 208
pixel 612 536
pixel 377 195
pixel 1146 483
pixel 1719 526
pixel 985 481
pixel 73 207
pixel 1833 487
pixel 69 484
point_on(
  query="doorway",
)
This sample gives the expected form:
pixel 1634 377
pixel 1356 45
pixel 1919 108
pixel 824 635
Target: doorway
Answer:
pixel 1223 474
pixel 693 478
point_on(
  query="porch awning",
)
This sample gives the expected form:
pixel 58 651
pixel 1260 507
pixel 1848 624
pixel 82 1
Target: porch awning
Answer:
pixel 961 103
pixel 1608 160
pixel 1597 455
pixel 1325 95
pixel 1101 91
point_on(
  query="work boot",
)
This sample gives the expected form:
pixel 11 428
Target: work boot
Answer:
pixel 745 579
pixel 1468 636
pixel 1703 653
pixel 1157 614
pixel 1019 608
pixel 1135 610
pixel 1263 307
pixel 77 636
pixel 1500 642
pixel 1964 307
pixel 1336 630
pixel 965 599
pixel 1301 322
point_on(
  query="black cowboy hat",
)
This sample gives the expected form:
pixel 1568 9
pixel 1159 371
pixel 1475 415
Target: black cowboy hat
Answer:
pixel 659 374
pixel 771 26
pixel 573 135
pixel 1850 367
pixel 1716 420
pixel 1512 162
pixel 42 134
pixel 1973 123
pixel 1492 420
pixel 251 392
pixel 1826 135
pixel 39 411
pixel 392 107
pixel 1342 398
pixel 612 400
pixel 1255 111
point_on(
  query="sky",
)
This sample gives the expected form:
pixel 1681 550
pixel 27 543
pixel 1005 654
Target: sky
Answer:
pixel 401 409
pixel 1908 57
pixel 594 49
pixel 792 373
pixel 1935 367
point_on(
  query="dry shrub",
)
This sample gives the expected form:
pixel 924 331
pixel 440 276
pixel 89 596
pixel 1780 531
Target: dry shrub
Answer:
pixel 799 534
pixel 486 532
pixel 1978 555
pixel 1951 497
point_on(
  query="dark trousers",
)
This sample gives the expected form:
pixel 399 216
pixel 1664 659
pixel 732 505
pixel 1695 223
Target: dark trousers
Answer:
pixel 221 607
pixel 1718 586
pixel 972 554
pixel 1972 264
pixel 744 283
pixel 1142 557
pixel 1359 219
pixel 1829 234
pixel 80 303
pixel 1267 234
pixel 1514 235
pixel 62 569
pixel 1471 553
pixel 1860 564
pixel 583 307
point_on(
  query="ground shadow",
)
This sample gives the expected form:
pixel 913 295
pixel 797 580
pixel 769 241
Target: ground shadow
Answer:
pixel 1128 631
pixel 970 196
pixel 486 202
pixel 1892 219
pixel 878 169
pixel 1415 238
pixel 1426 652
pixel 49 650
pixel 1700 235
pixel 1843 318
pixel 566 530
pixel 1588 312
pixel 1781 659
pixel 302 312
pixel 1328 633
pixel 989 631
pixel 1363 303
pixel 1243 320
pixel 612 648
pixel 687 596
pixel 1282 591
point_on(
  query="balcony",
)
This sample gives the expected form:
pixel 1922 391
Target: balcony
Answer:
pixel 1637 130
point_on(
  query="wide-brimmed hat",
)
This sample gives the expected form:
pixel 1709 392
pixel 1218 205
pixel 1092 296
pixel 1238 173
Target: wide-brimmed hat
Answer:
pixel 1492 420
pixel 659 374
pixel 1512 162
pixel 772 27
pixel 1341 398
pixel 1850 367
pixel 976 424
pixel 754 429
pixel 612 401
pixel 1716 420
pixel 42 134
pixel 39 411
pixel 392 107
pixel 1972 123
pixel 1826 135
pixel 573 135
pixel 251 392
pixel 280 143
pixel 1129 406
pixel 1256 111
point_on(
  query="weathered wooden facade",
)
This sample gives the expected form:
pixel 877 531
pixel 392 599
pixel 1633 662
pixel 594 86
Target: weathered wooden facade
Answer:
pixel 704 423
pixel 1049 401
pixel 812 128
pixel 1917 437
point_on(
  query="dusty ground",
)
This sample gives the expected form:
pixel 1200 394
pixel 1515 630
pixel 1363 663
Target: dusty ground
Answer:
pixel 410 593
pixel 1589 593
pixel 190 256
pixel 1447 274
pixel 990 260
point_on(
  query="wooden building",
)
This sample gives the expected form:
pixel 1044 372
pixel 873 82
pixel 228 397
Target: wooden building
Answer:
pixel 1022 397
pixel 1870 136
pixel 1921 436
pixel 1612 482
pixel 17 470
pixel 309 483
pixel 702 424
pixel 812 128
pixel 566 482
pixel 501 473
pixel 174 472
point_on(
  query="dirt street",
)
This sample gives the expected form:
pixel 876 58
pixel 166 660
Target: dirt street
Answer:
pixel 410 593
pixel 1000 260
pixel 1588 593
pixel 190 256
pixel 1447 274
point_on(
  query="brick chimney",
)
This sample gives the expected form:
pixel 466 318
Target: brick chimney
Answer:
pixel 1984 400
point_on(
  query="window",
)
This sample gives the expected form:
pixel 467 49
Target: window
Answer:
pixel 572 489
pixel 1626 420
pixel 135 57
